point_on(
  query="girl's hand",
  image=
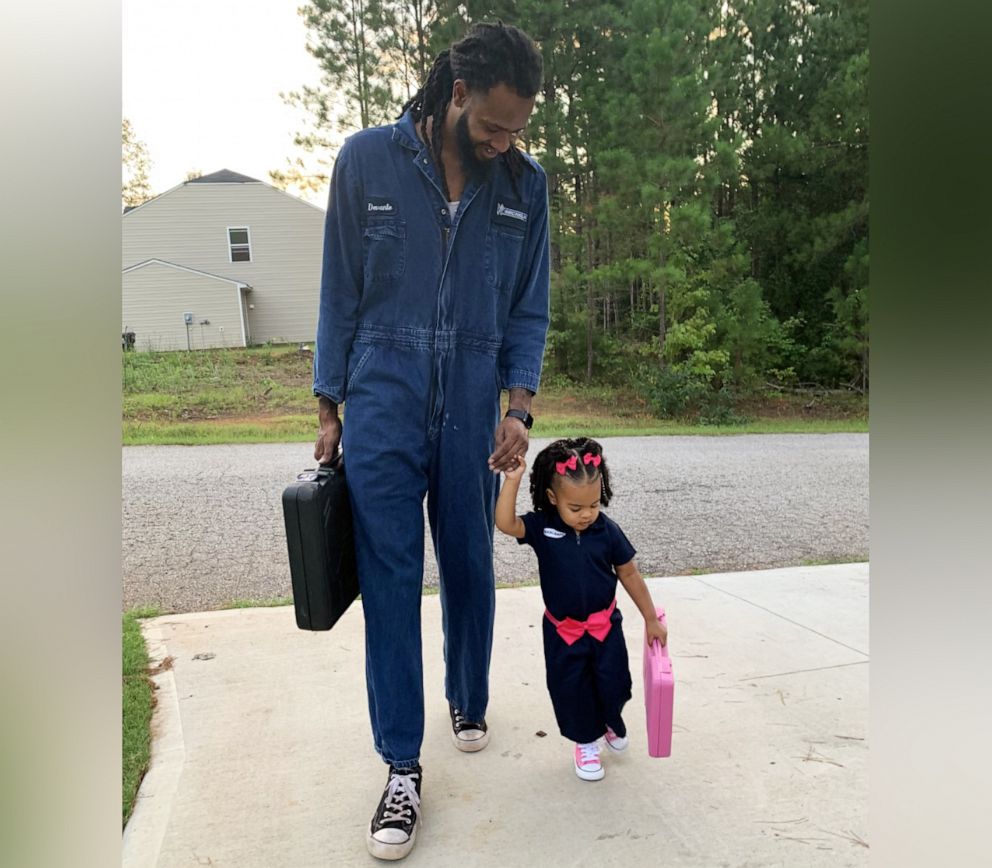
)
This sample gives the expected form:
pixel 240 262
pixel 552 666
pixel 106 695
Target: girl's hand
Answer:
pixel 516 472
pixel 657 630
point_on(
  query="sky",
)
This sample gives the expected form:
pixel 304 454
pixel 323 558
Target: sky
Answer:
pixel 201 83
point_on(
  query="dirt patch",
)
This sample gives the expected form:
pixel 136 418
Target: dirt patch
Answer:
pixel 581 406
pixel 164 666
pixel 275 419
pixel 293 368
pixel 824 406
pixel 261 386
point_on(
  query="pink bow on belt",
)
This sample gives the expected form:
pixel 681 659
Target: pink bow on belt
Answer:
pixel 596 625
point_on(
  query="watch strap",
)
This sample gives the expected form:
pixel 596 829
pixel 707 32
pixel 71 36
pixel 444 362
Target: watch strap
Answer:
pixel 522 415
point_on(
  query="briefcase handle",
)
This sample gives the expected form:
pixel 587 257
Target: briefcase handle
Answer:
pixel 335 465
pixel 656 649
pixel 312 474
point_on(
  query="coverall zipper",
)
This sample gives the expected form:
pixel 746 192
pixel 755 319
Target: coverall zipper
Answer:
pixel 434 388
pixel 445 245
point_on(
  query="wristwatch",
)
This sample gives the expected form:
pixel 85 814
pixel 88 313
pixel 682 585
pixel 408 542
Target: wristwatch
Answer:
pixel 523 416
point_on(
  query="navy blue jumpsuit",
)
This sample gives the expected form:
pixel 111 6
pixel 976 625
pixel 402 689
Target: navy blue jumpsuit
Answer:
pixel 423 320
pixel 589 681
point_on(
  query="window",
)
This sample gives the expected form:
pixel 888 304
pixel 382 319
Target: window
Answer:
pixel 240 244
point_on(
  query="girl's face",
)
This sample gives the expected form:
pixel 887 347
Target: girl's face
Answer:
pixel 577 502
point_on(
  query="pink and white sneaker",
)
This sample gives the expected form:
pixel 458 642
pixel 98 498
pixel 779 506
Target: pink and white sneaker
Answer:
pixel 587 764
pixel 615 742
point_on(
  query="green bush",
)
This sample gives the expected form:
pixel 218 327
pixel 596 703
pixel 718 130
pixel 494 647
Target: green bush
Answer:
pixel 676 392
pixel 720 408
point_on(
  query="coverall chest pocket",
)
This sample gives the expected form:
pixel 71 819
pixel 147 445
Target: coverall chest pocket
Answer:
pixel 384 250
pixel 504 249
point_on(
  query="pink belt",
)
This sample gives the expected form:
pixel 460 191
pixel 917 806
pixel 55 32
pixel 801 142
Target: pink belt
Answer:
pixel 596 625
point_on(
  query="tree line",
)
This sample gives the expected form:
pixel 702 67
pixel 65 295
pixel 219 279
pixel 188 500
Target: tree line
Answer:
pixel 708 173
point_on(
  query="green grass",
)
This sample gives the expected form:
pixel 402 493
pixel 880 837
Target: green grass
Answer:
pixel 838 559
pixel 136 707
pixel 183 372
pixel 760 426
pixel 258 604
pixel 303 428
pixel 262 395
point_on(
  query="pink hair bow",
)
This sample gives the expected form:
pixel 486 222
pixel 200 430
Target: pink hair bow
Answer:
pixel 571 464
pixel 594 460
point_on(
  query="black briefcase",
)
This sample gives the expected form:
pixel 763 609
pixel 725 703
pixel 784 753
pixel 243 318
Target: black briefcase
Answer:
pixel 321 545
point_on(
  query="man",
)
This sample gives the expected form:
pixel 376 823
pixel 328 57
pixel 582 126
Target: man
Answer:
pixel 434 298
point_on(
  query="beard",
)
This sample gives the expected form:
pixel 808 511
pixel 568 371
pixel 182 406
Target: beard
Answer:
pixel 476 169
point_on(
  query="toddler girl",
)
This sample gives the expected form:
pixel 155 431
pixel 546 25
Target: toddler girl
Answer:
pixel 581 553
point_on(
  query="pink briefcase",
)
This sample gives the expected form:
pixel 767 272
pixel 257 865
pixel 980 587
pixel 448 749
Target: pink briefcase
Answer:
pixel 659 694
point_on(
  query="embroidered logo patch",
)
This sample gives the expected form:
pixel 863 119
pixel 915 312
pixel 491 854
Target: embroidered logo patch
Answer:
pixel 510 213
pixel 377 205
pixel 503 211
pixel 553 533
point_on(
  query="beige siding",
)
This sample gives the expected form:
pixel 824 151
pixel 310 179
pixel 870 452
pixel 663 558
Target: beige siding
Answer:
pixel 156 296
pixel 188 226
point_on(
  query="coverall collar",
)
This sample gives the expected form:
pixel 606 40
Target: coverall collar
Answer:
pixel 555 520
pixel 405 134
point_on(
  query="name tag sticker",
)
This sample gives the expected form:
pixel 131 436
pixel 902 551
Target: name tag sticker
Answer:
pixel 510 212
pixel 554 533
pixel 376 205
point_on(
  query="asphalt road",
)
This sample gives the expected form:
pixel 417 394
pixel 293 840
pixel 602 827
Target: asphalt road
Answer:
pixel 203 526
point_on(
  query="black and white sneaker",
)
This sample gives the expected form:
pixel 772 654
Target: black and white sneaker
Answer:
pixel 468 735
pixel 394 827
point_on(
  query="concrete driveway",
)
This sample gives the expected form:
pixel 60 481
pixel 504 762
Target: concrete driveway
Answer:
pixel 262 755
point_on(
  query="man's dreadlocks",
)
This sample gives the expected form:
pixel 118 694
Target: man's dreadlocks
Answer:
pixel 489 54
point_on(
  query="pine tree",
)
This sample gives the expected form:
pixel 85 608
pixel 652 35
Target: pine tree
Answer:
pixel 135 186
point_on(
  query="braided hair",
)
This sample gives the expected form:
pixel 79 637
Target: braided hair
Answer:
pixel 489 54
pixel 544 472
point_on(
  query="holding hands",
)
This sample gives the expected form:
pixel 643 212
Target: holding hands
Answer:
pixel 515 472
pixel 511 440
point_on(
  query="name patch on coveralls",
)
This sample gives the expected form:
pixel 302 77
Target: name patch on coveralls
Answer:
pixel 554 533
pixel 509 212
pixel 384 207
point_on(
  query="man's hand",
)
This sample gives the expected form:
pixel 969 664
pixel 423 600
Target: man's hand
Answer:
pixel 512 439
pixel 329 434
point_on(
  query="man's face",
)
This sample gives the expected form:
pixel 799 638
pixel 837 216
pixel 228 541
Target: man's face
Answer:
pixel 488 125
pixel 476 167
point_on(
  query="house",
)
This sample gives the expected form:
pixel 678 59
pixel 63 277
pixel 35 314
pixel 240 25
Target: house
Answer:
pixel 221 260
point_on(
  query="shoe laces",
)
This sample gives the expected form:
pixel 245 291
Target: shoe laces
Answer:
pixel 588 753
pixel 401 798
pixel 462 723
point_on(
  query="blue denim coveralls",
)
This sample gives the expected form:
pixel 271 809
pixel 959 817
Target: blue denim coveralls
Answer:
pixel 423 320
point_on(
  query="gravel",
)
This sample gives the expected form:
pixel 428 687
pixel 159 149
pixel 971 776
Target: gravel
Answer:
pixel 203 526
